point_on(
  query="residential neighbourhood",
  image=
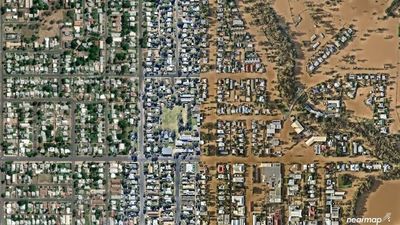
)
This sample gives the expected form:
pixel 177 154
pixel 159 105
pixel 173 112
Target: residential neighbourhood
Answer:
pixel 199 112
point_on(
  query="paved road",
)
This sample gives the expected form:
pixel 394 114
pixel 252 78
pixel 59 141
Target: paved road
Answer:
pixel 2 220
pixel 53 100
pixel 141 158
pixel 177 42
pixel 177 184
pixel 41 199
pixel 89 158
pixel 65 159
pixel 60 76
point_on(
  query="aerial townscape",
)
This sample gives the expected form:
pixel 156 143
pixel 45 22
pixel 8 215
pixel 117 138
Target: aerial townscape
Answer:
pixel 199 112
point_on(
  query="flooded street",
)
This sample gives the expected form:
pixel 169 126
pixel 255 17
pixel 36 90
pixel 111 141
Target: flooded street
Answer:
pixel 386 199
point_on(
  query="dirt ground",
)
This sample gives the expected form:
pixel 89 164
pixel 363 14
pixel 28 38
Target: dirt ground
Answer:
pixel 375 46
pixel 384 200
pixel 305 18
pixel 49 25
pixel 209 109
pixel 358 106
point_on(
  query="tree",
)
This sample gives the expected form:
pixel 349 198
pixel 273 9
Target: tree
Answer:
pixel 59 139
pixel 123 124
pixel 32 188
pixel 124 69
pixel 125 45
pixel 109 40
pixel 80 61
pixel 120 56
pixel 74 44
pixel 70 15
pixel 94 53
pixel 3 10
pixel 345 180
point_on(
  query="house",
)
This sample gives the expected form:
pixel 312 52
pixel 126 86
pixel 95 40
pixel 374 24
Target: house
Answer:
pixel 296 125
pixel 315 139
pixel 166 151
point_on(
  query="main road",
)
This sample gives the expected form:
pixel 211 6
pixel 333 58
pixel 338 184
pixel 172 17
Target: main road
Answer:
pixel 2 219
pixel 140 149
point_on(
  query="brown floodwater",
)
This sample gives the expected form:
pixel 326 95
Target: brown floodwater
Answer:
pixel 386 199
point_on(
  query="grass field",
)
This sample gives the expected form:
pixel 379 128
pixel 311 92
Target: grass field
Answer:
pixel 169 118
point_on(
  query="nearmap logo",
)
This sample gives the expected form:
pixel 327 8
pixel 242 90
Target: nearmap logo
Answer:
pixel 372 220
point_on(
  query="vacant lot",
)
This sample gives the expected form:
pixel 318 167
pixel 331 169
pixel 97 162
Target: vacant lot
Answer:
pixel 49 27
pixel 357 105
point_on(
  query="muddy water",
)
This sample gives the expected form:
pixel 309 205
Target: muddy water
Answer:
pixel 386 199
